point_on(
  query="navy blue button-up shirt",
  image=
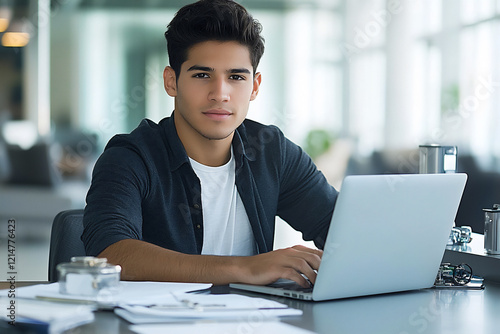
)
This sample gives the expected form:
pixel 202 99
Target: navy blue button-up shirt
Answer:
pixel 143 187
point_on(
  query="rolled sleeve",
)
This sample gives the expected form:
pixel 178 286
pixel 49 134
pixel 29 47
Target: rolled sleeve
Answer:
pixel 113 211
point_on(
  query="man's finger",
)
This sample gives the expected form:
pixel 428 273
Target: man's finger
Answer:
pixel 295 276
pixel 312 258
pixel 302 248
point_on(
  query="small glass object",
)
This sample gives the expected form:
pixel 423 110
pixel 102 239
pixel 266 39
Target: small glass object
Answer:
pixel 460 235
pixel 88 276
pixel 449 274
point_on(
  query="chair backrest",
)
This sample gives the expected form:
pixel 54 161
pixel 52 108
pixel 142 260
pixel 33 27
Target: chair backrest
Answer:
pixel 65 241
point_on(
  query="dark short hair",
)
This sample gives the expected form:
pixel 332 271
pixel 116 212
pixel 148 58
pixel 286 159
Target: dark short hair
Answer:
pixel 217 20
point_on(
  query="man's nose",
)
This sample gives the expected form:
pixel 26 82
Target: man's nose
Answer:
pixel 219 91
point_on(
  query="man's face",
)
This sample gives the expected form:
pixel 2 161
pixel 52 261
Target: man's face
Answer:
pixel 213 90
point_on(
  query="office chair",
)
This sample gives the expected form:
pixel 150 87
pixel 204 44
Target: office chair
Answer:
pixel 65 239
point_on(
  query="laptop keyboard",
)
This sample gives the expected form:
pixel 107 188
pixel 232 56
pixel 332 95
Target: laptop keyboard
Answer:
pixel 289 285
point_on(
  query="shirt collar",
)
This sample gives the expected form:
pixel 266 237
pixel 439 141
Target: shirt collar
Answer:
pixel 241 147
pixel 177 153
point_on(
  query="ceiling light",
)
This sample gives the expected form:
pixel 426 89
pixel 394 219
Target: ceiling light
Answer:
pixel 16 36
pixel 5 16
pixel 15 39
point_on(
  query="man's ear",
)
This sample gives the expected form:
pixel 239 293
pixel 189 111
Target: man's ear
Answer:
pixel 169 81
pixel 256 84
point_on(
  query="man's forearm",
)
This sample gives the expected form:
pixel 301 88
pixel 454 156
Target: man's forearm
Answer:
pixel 141 261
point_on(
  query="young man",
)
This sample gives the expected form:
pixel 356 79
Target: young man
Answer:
pixel 194 198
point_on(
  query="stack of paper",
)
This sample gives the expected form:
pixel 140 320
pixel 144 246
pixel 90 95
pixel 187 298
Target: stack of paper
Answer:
pixel 185 307
pixel 47 317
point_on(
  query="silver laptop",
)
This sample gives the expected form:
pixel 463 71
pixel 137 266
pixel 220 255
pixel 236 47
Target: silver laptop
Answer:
pixel 388 234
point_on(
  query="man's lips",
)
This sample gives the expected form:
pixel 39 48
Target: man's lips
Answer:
pixel 217 114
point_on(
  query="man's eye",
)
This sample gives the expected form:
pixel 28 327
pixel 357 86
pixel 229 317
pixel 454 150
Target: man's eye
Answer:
pixel 200 75
pixel 236 77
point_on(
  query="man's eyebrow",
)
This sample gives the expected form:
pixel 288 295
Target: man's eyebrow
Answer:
pixel 210 69
pixel 201 68
pixel 239 70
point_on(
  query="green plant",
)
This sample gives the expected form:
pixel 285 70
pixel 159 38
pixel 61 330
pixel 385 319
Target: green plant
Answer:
pixel 317 142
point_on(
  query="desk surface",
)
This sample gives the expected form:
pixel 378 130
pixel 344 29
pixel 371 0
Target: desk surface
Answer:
pixel 424 311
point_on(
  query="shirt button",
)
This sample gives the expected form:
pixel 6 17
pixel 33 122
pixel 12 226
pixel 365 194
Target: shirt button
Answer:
pixel 198 226
pixel 196 206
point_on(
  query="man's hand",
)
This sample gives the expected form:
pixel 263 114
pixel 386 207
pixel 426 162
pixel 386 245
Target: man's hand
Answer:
pixel 287 263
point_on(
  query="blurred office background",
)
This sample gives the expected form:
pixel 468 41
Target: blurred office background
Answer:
pixel 359 84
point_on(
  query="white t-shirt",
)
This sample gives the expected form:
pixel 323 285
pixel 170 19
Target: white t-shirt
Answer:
pixel 226 229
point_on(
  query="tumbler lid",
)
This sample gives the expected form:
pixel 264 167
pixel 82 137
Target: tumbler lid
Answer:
pixel 496 208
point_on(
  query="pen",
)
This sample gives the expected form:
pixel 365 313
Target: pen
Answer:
pixel 187 306
pixel 67 300
pixel 99 305
pixel 205 308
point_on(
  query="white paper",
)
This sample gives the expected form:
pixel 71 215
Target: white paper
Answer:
pixel 263 327
pixel 129 292
pixel 231 301
pixel 224 306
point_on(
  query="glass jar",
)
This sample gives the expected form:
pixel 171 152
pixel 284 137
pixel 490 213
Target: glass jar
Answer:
pixel 88 276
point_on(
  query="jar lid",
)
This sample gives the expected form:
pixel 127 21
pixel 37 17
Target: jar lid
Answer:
pixel 89 264
pixel 89 261
pixel 496 208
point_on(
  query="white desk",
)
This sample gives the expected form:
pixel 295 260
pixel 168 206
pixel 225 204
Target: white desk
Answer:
pixel 425 311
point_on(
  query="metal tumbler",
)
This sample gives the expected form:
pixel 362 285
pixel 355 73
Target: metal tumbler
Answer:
pixel 437 159
pixel 492 230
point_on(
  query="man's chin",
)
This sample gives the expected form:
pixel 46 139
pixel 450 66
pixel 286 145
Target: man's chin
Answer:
pixel 217 136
